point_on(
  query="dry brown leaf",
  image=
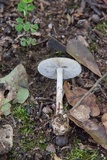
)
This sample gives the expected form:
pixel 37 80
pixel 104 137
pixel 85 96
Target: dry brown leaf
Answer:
pixel 56 157
pixel 69 19
pixel 74 95
pixel 104 121
pixel 105 1
pixel 95 130
pixel 81 53
pixel 78 12
pixel 81 113
pixel 51 148
pixel 104 117
pixel 82 40
pixel 1 97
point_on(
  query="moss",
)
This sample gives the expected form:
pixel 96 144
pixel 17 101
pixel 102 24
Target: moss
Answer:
pixel 25 128
pixel 27 144
pixel 93 46
pixel 13 155
pixel 102 27
pixel 41 142
pixel 82 154
pixel 21 115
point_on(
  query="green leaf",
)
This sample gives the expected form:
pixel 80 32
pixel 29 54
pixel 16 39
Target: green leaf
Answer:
pixel 19 20
pixel 27 1
pixel 22 95
pixel 33 30
pixel 29 41
pixel 25 13
pixel 23 42
pixel 5 109
pixel 30 7
pixel 5 101
pixel 33 42
pixel 35 26
pixel 21 6
pixel 26 26
pixel 19 27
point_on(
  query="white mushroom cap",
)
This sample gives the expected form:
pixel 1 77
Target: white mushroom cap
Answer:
pixel 48 67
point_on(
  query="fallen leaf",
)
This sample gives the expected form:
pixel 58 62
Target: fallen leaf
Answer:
pixel 22 95
pixel 81 113
pixel 56 45
pixel 51 148
pixel 1 97
pixel 105 1
pixel 95 130
pixel 4 103
pixel 56 157
pixel 82 40
pixel 6 109
pixel 81 53
pixel 74 95
pixel 47 110
pixel 104 121
pixel 78 12
pixel 69 19
pixel 15 84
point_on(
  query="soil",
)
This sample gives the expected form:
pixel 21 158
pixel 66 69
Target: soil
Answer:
pixel 62 20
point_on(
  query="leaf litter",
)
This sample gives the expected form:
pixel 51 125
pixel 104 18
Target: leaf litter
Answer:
pixel 82 54
pixel 14 89
pixel 81 115
pixel 62 30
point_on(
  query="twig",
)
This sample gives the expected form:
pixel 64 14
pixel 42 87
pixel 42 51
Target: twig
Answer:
pixel 100 6
pixel 100 34
pixel 102 91
pixel 44 99
pixel 45 40
pixel 95 9
pixel 19 36
pixel 45 2
pixel 87 93
pixel 40 109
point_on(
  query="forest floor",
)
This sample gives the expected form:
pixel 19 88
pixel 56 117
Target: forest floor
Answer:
pixel 63 19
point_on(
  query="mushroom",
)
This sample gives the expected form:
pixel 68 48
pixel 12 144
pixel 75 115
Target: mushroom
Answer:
pixel 59 68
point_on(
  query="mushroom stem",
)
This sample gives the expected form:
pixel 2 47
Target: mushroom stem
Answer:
pixel 59 91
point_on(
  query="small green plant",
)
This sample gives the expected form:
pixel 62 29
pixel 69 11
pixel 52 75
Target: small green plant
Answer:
pixel 102 27
pixel 58 53
pixel 21 114
pixel 41 142
pixel 26 6
pixel 93 46
pixel 77 153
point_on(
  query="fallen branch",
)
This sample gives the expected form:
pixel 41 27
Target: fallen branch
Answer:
pixel 87 93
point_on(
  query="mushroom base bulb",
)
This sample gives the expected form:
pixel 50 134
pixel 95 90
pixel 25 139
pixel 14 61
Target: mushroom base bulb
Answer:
pixel 60 124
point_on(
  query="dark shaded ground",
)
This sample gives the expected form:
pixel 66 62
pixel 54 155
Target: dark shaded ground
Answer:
pixel 61 20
